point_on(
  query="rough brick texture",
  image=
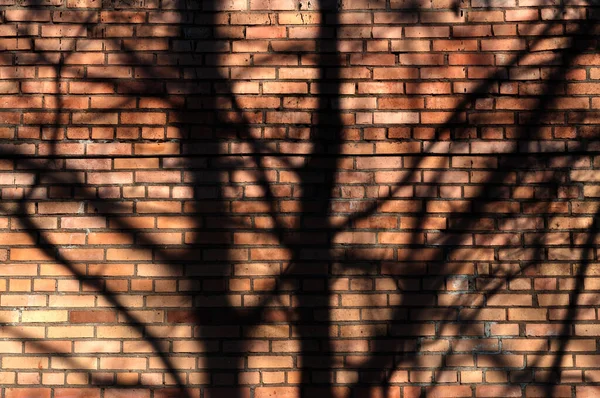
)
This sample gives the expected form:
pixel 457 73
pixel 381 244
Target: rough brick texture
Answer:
pixel 292 198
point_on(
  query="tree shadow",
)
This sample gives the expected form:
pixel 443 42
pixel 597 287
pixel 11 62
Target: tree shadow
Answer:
pixel 223 145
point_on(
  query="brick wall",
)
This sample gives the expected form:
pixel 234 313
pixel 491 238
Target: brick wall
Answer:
pixel 292 198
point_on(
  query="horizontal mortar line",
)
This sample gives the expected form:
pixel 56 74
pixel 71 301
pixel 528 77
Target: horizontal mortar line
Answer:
pixel 320 155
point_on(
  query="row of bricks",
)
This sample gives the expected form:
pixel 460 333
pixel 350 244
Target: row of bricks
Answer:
pixel 341 285
pixel 293 377
pixel 524 163
pixel 252 288
pixel 354 252
pixel 23 170
pixel 459 228
pixel 308 72
pixel 381 118
pixel 272 134
pixel 231 344
pixel 498 58
pixel 257 239
pixel 270 377
pixel 579 173
pixel 108 36
pixel 286 110
pixel 267 377
pixel 484 251
pixel 360 74
pixel 371 185
pixel 505 209
pixel 289 362
pixel 480 335
pixel 308 118
pixel 279 38
pixel 447 214
pixel 380 98
pixel 545 273
pixel 463 391
pixel 254 191
pixel 445 302
pixel 292 5
pixel 30 16
pixel 110 281
pixel 272 14
pixel 238 75
pixel 339 315
pixel 494 141
pixel 510 215
pixel 124 149
pixel 378 307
